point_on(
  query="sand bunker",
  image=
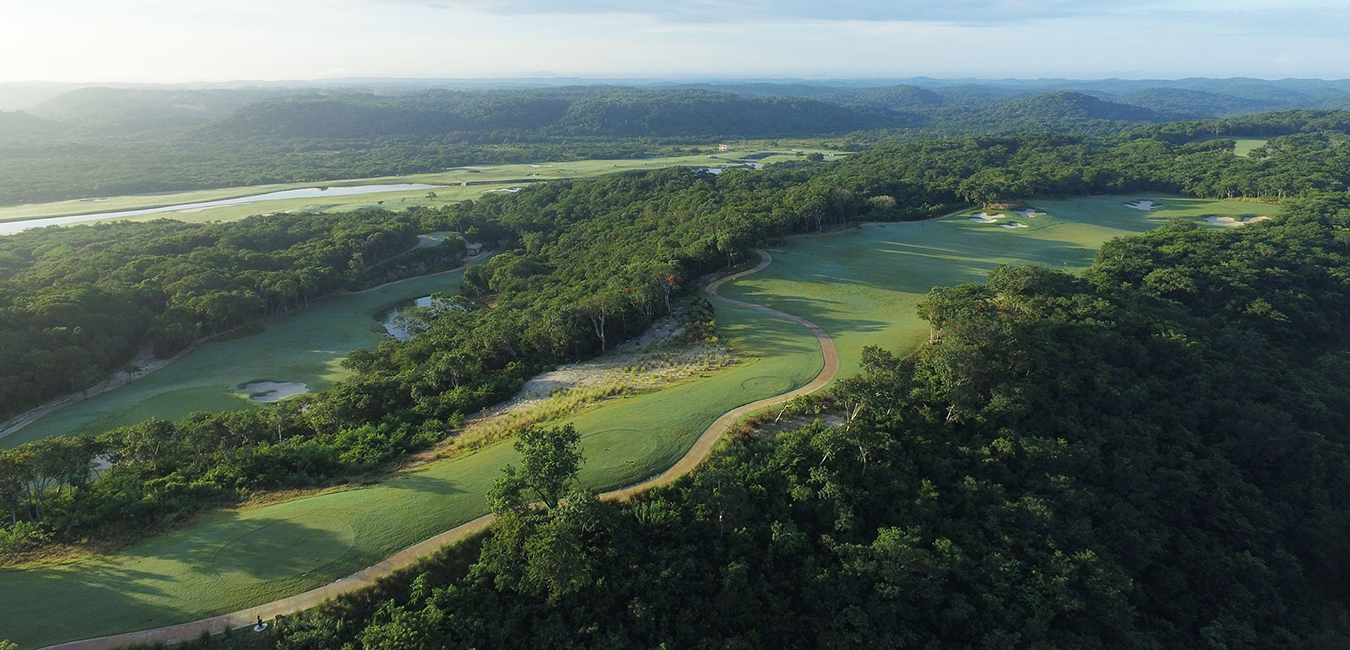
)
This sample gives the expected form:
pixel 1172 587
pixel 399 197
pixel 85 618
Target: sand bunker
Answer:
pixel 1029 213
pixel 985 217
pixel 1012 224
pixel 1229 222
pixel 273 391
pixel 1146 206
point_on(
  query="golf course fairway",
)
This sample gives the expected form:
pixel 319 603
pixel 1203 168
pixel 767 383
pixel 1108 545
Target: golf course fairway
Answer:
pixel 235 559
pixel 305 346
pixel 860 286
pixel 863 286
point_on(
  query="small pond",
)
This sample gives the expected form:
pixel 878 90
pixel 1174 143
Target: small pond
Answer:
pixel 390 318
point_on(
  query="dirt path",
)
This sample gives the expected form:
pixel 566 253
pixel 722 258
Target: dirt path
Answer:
pixel 697 454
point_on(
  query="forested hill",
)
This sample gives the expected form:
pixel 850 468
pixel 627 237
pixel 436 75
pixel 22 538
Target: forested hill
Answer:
pixel 584 265
pixel 614 113
pixel 103 141
pixel 1155 454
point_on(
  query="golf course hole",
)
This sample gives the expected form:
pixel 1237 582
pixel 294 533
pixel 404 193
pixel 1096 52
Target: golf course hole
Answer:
pixel 619 447
pixel 273 391
pixel 287 548
pixel 767 385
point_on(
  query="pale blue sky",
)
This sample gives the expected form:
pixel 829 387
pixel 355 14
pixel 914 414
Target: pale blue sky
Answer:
pixel 221 40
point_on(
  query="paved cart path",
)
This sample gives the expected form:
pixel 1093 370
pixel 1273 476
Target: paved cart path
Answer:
pixel 697 454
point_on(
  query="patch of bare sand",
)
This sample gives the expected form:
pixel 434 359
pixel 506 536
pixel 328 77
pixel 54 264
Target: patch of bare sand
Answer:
pixel 1230 222
pixel 985 217
pixel 654 360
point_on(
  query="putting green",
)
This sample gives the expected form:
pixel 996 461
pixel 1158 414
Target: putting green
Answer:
pixel 306 346
pixel 863 286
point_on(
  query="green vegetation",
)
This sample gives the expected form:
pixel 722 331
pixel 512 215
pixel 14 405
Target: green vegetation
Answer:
pixel 1151 454
pixel 863 286
pixel 307 137
pixel 480 180
pixel 101 142
pixel 1245 146
pixel 589 264
pixel 171 578
pixel 305 346
pixel 79 304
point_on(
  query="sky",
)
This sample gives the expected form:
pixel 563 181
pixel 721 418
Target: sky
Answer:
pixel 226 40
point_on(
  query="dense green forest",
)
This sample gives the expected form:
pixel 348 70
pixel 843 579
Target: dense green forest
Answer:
pixel 78 303
pixel 587 264
pixel 1152 454
pixel 106 142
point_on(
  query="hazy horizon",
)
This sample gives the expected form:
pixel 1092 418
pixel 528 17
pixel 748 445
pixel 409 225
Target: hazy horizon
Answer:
pixel 165 41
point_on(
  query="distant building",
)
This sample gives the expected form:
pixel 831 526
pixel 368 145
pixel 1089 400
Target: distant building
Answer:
pixel 724 147
pixel 474 248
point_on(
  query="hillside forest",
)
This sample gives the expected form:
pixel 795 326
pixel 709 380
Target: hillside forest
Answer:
pixel 1151 454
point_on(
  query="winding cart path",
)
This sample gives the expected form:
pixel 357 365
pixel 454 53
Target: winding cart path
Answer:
pixel 696 455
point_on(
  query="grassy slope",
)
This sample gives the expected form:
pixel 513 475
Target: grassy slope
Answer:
pixel 232 560
pixel 305 346
pixel 863 286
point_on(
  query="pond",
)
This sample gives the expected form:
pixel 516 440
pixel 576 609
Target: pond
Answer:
pixel 11 227
pixel 390 318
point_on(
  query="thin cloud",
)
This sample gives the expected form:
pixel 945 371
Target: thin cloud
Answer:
pixel 714 11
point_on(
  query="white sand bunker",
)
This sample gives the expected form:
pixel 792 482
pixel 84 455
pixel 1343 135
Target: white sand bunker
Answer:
pixel 985 217
pixel 1012 224
pixel 273 391
pixel 1229 222
pixel 1029 213
pixel 1146 206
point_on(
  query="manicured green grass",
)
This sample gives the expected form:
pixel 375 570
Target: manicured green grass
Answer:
pixel 306 346
pixel 1245 146
pixel 864 286
pixel 861 286
pixel 232 560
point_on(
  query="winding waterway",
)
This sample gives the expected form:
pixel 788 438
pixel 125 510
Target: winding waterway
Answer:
pixel 11 227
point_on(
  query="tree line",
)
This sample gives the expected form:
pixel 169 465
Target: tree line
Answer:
pixel 591 263
pixel 77 304
pixel 1152 454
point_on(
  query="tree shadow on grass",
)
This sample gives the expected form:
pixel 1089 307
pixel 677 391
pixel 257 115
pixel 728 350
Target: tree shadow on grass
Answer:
pixel 231 547
pixel 421 482
pixel 47 605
